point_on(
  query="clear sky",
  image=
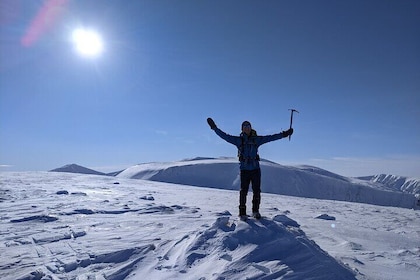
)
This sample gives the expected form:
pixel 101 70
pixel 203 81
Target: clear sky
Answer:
pixel 351 68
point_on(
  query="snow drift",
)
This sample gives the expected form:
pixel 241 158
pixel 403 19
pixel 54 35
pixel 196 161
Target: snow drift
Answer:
pixel 302 181
pixel 266 249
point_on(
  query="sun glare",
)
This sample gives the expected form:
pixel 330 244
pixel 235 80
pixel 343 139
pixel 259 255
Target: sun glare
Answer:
pixel 87 42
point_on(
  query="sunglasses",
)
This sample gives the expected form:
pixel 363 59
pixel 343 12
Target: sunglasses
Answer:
pixel 246 126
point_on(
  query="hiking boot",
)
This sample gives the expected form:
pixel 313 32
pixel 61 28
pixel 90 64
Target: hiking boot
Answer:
pixel 256 215
pixel 243 217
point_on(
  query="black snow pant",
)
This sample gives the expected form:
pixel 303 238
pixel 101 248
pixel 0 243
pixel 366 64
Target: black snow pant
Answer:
pixel 247 177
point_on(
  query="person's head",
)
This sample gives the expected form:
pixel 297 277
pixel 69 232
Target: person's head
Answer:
pixel 246 127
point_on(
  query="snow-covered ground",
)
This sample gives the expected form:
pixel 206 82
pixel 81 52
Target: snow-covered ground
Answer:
pixel 73 226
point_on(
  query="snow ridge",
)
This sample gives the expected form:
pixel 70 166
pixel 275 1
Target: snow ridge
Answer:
pixel 404 184
pixel 303 181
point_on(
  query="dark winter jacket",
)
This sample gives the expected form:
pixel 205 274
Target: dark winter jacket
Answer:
pixel 248 146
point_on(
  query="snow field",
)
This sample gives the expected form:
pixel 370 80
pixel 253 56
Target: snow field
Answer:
pixel 71 226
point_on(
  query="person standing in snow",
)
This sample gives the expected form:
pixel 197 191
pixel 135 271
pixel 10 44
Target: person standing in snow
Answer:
pixel 250 172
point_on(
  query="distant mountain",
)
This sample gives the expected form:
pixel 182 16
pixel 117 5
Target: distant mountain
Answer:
pixel 303 181
pixel 404 184
pixel 74 168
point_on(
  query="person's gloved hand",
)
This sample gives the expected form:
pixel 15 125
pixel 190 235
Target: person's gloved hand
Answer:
pixel 211 123
pixel 287 132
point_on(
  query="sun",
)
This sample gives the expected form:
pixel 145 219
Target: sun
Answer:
pixel 87 42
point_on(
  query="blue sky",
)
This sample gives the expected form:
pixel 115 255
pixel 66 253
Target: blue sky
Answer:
pixel 352 69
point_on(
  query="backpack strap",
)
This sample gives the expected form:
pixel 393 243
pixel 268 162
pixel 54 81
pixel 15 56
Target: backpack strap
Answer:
pixel 241 148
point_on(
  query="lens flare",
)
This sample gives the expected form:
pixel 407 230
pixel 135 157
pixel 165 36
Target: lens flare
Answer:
pixel 46 17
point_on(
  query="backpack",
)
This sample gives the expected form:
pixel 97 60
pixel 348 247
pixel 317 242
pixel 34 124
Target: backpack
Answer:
pixel 241 147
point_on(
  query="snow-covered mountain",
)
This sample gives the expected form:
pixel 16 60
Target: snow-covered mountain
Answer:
pixel 404 184
pixel 302 181
pixel 74 168
pixel 72 226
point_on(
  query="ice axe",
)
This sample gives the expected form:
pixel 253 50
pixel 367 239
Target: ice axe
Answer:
pixel 291 119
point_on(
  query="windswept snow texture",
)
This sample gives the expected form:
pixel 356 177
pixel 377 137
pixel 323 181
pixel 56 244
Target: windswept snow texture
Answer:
pixel 303 181
pixel 72 226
